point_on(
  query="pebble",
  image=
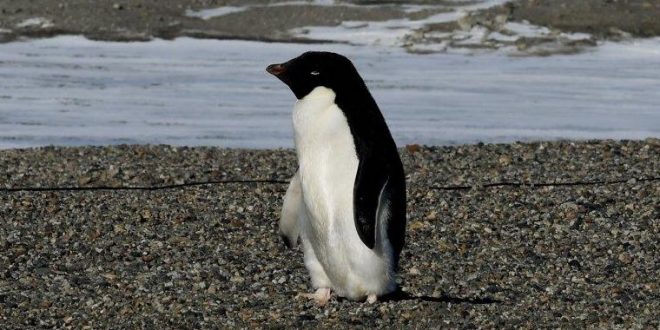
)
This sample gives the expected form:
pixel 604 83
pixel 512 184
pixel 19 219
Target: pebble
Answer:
pixel 209 255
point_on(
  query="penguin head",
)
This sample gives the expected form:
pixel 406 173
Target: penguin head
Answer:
pixel 314 69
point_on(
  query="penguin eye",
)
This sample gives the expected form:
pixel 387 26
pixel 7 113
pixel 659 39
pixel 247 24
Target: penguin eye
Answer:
pixel 314 73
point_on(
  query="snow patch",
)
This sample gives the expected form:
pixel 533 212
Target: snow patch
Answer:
pixel 390 32
pixel 207 14
pixel 40 22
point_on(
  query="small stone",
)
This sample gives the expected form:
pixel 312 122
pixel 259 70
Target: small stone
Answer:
pixel 146 214
pixel 84 180
pixel 413 148
pixel 624 258
pixel 504 160
pixel 236 279
pixel 212 289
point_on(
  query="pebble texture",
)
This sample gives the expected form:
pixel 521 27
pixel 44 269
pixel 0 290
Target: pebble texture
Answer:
pixel 571 255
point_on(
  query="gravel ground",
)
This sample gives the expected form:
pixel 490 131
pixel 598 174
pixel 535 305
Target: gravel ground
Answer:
pixel 572 26
pixel 529 256
pixel 139 20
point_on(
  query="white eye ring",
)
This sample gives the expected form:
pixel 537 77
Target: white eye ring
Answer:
pixel 314 73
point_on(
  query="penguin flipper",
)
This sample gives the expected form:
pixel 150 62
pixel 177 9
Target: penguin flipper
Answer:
pixel 370 201
pixel 288 226
pixel 380 206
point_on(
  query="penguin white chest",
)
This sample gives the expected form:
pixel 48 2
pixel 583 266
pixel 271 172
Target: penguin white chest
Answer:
pixel 327 159
pixel 328 163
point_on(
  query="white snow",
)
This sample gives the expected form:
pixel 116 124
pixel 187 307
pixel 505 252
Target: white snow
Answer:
pixel 526 30
pixel 226 10
pixel 206 14
pixel 35 21
pixel 389 32
pixel 72 91
pixel 471 37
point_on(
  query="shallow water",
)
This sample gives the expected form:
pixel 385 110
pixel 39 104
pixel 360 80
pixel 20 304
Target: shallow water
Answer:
pixel 72 91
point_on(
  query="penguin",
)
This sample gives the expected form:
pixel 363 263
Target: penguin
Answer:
pixel 346 203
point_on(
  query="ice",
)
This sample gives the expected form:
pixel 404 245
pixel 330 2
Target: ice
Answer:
pixel 226 10
pixel 525 29
pixel 214 12
pixel 35 21
pixel 390 32
pixel 72 91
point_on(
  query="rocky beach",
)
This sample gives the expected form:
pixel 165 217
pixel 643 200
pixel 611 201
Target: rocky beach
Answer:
pixel 548 234
pixel 533 234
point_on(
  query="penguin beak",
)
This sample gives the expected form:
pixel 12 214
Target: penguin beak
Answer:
pixel 276 69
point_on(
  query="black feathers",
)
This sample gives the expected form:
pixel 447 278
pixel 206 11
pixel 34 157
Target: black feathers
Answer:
pixel 313 69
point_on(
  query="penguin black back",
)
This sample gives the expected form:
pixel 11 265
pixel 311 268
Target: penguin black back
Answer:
pixel 380 180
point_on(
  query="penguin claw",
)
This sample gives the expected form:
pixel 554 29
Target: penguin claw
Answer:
pixel 321 296
pixel 290 243
pixel 287 242
pixel 372 298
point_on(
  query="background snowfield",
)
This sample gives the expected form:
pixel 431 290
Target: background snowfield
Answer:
pixel 72 91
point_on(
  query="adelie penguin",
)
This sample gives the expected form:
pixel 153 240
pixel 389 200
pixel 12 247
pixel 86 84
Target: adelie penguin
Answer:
pixel 347 201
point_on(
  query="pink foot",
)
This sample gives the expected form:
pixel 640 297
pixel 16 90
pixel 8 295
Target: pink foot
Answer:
pixel 321 296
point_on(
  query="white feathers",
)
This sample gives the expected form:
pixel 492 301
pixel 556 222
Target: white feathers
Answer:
pixel 334 254
pixel 289 228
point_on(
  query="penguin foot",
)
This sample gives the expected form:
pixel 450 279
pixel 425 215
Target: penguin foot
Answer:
pixel 372 298
pixel 321 296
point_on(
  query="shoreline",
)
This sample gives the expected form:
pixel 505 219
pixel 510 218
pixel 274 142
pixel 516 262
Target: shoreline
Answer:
pixel 208 255
pixel 109 164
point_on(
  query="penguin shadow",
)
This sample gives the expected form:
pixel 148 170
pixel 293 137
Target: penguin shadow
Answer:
pixel 399 295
